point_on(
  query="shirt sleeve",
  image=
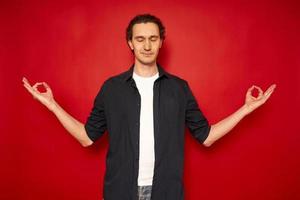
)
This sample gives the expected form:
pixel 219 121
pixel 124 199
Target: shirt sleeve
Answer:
pixel 95 125
pixel 194 118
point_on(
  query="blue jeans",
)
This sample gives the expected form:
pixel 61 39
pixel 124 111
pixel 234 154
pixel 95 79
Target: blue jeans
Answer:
pixel 144 192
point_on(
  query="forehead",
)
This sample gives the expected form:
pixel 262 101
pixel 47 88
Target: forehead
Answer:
pixel 145 29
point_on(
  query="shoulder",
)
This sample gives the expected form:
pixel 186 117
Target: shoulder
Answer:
pixel 112 80
pixel 177 81
pixel 116 77
pixel 176 78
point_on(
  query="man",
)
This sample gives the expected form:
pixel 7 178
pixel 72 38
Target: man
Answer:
pixel 145 110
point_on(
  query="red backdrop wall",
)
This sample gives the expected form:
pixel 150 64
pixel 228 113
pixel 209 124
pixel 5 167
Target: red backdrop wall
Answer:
pixel 220 48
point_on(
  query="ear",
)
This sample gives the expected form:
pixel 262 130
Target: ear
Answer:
pixel 130 44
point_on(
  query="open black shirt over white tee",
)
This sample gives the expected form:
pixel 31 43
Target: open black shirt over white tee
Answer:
pixel 117 109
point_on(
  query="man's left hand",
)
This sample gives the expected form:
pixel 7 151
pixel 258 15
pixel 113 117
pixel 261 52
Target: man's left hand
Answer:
pixel 251 102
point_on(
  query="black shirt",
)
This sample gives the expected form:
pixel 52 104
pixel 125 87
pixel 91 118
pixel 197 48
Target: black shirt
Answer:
pixel 117 110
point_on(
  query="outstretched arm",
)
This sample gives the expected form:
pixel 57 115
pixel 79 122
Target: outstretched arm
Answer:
pixel 73 126
pixel 221 128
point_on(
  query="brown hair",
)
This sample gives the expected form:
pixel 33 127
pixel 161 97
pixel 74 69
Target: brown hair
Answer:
pixel 144 18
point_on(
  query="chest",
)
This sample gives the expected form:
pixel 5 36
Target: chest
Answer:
pixel 126 99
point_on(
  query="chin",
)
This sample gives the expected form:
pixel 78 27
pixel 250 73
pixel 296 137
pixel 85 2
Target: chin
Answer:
pixel 147 61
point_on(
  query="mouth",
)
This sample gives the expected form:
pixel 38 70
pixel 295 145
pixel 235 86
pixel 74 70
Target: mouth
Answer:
pixel 147 54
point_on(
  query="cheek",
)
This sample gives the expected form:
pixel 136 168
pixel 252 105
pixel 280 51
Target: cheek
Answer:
pixel 157 45
pixel 156 48
pixel 138 47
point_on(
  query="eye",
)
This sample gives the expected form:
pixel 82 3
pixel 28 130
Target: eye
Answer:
pixel 139 39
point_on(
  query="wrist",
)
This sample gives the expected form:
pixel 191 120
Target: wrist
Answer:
pixel 245 109
pixel 53 106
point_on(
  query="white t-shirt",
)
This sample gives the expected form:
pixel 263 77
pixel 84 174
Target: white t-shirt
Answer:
pixel 147 155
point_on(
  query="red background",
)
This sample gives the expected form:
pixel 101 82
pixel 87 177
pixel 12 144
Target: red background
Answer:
pixel 221 49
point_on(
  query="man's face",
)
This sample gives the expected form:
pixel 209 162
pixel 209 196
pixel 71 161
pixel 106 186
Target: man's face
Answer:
pixel 145 42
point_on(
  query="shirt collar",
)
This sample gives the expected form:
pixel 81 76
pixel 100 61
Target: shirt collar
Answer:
pixel 161 72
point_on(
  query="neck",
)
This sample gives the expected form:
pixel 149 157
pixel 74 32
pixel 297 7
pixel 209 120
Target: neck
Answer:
pixel 145 70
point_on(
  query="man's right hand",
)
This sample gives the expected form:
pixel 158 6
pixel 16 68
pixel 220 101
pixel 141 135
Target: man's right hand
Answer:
pixel 45 98
pixel 72 125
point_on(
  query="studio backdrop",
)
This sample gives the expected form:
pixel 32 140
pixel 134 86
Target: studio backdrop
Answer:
pixel 220 48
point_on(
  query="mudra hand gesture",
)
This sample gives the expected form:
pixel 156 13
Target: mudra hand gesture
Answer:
pixel 46 98
pixel 252 102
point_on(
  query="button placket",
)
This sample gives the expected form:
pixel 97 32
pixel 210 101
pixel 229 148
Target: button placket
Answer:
pixel 137 124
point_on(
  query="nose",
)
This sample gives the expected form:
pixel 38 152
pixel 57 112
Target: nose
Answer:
pixel 147 45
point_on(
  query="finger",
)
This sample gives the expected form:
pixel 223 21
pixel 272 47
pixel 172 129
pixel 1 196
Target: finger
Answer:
pixel 266 97
pixel 36 85
pixel 260 92
pixel 27 84
pixel 258 88
pixel 249 91
pixel 270 89
pixel 27 88
pixel 47 86
pixel 25 81
pixel 30 90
